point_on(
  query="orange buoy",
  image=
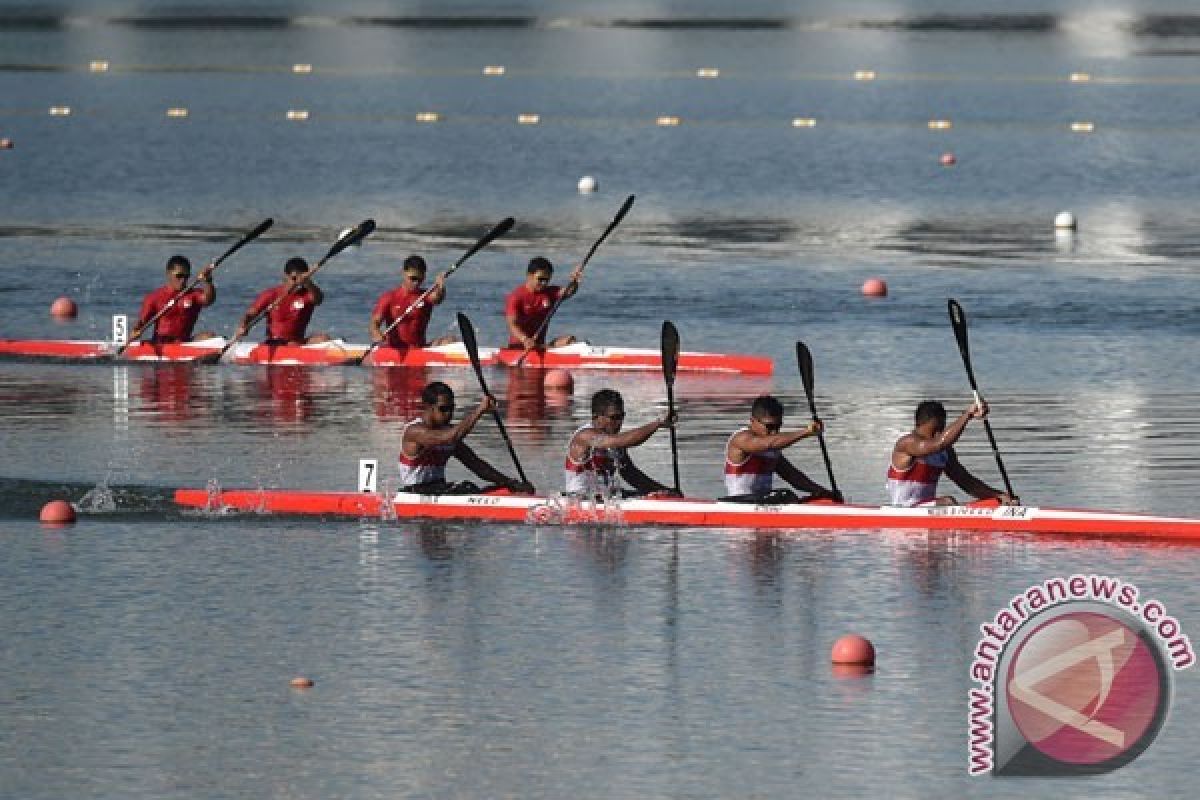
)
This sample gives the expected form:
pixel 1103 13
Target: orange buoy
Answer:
pixel 63 307
pixel 874 287
pixel 854 650
pixel 301 682
pixel 948 160
pixel 6 144
pixel 57 512
pixel 558 379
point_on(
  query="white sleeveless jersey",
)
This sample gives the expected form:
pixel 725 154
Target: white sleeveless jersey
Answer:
pixel 429 466
pixel 918 483
pixel 597 472
pixel 752 475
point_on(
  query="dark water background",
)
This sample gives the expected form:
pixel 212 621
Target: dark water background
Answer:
pixel 146 653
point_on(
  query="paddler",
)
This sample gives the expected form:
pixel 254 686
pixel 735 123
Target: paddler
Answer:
pixel 919 459
pixel 430 440
pixel 754 455
pixel 410 331
pixel 288 321
pixel 182 308
pixel 528 307
pixel 596 454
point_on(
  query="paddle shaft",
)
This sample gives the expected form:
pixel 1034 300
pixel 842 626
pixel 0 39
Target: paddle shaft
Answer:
pixel 804 359
pixel 670 360
pixel 958 320
pixel 469 341
pixel 249 237
pixel 501 228
pixel 628 204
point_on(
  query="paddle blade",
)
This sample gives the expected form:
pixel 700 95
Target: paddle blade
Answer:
pixel 628 204
pixel 805 362
pixel 670 351
pixel 469 342
pixel 958 321
pixel 504 226
pixel 249 237
pixel 354 236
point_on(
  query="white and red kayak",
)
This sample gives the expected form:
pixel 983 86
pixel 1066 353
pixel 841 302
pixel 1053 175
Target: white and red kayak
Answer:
pixel 445 355
pixel 582 355
pixel 696 513
pixel 204 350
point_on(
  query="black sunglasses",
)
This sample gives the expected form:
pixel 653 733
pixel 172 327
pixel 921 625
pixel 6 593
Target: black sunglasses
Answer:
pixel 446 409
pixel 772 427
pixel 180 274
pixel 620 415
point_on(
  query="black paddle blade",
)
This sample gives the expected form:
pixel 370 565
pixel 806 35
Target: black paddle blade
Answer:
pixel 504 226
pixel 249 237
pixel 469 342
pixel 958 321
pixel 805 362
pixel 628 204
pixel 356 235
pixel 670 351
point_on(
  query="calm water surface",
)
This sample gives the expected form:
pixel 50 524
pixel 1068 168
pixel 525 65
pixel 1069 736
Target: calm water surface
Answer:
pixel 147 652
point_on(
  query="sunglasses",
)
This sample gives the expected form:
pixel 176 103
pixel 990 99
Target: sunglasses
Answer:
pixel 771 427
pixel 446 409
pixel 408 276
pixel 180 275
pixel 620 415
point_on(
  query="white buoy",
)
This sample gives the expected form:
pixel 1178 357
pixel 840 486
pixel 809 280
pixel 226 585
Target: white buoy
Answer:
pixel 1064 221
pixel 586 185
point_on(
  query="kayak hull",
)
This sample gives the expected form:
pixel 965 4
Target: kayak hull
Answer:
pixel 449 355
pixel 582 355
pixel 700 513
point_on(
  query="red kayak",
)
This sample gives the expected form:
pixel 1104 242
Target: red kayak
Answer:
pixel 822 515
pixel 446 355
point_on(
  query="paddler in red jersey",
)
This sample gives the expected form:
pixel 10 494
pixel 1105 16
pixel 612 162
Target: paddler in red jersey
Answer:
pixel 288 321
pixel 919 459
pixel 596 454
pixel 413 298
pixel 182 308
pixel 754 455
pixel 528 306
pixel 429 441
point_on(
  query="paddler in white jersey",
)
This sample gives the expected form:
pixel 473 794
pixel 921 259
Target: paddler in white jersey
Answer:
pixel 919 459
pixel 753 456
pixel 430 440
pixel 596 454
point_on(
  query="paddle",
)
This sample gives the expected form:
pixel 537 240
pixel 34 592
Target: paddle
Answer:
pixel 804 359
pixel 249 237
pixel 504 226
pixel 958 320
pixel 670 360
pixel 468 335
pixel 351 237
pixel 628 204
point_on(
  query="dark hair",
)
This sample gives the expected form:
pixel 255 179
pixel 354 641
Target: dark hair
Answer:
pixel 434 392
pixel 539 264
pixel 931 410
pixel 766 404
pixel 415 263
pixel 178 261
pixel 295 265
pixel 605 399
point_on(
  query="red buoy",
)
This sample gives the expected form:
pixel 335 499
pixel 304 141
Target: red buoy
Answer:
pixel 301 682
pixel 57 512
pixel 6 144
pixel 948 160
pixel 64 308
pixel 874 287
pixel 855 650
pixel 558 379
